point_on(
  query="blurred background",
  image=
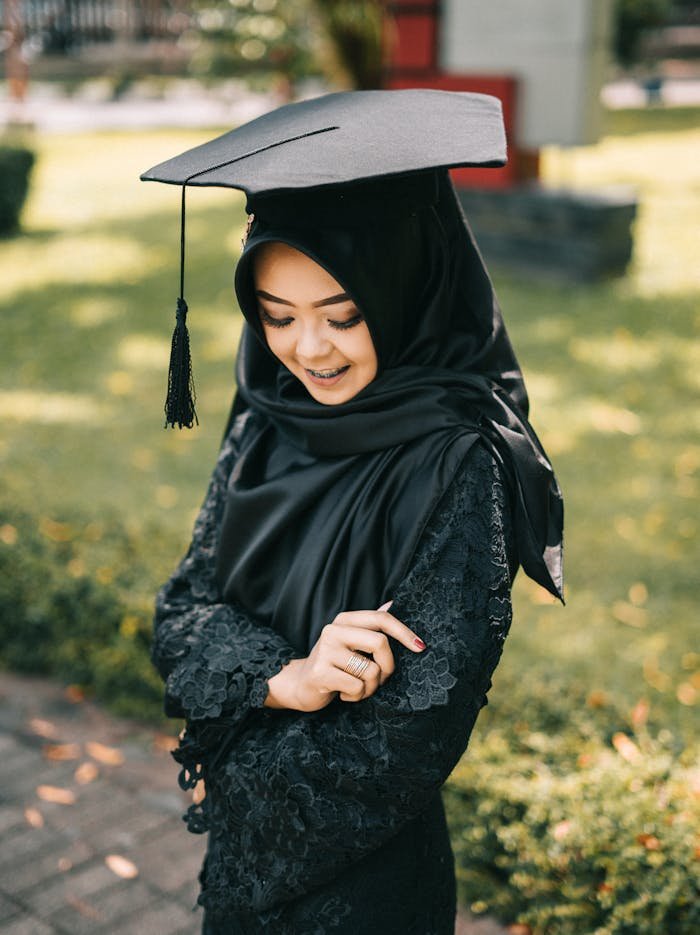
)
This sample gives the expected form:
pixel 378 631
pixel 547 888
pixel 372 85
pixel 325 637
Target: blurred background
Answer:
pixel 575 809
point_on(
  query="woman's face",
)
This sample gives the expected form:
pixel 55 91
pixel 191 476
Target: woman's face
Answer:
pixel 311 325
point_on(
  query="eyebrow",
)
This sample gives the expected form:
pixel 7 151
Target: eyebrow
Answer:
pixel 331 300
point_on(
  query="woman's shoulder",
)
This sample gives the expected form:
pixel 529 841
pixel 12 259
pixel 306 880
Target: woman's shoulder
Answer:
pixel 479 475
pixel 473 509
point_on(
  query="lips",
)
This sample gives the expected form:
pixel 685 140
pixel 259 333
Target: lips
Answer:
pixel 327 377
pixel 327 374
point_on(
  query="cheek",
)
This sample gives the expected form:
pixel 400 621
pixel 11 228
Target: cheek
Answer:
pixel 277 341
pixel 360 349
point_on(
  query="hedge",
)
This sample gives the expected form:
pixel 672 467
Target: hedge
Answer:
pixel 69 608
pixel 576 820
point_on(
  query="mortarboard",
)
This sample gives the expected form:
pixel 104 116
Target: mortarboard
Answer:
pixel 338 139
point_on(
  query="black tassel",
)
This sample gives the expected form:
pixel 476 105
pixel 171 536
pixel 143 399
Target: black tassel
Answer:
pixel 179 403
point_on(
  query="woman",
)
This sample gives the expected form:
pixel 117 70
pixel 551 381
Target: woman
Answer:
pixel 377 487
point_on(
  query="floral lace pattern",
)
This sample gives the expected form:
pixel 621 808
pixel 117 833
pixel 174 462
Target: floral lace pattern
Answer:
pixel 305 810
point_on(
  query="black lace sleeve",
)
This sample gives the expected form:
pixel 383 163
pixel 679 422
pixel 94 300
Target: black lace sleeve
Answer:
pixel 299 796
pixel 215 660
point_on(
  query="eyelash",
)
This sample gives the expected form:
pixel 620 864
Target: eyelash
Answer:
pixel 283 322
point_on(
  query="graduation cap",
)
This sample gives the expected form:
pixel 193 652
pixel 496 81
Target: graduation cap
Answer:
pixel 336 140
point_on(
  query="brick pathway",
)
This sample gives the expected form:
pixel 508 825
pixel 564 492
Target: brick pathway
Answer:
pixel 60 862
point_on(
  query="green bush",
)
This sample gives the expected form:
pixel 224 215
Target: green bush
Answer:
pixel 68 609
pixel 15 166
pixel 587 829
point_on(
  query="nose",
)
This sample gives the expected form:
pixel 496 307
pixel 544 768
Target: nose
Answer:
pixel 311 343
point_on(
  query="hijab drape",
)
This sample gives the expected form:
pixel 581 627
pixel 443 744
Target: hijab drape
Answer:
pixel 326 503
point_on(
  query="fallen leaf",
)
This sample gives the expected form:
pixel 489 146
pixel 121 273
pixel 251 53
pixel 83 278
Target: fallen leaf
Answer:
pixel 638 593
pixel 61 751
pixel 649 841
pixel 165 742
pixel 43 728
pixel 686 693
pixel 519 928
pixel 8 534
pixel 34 817
pixel 121 866
pixel 74 693
pixel 604 888
pixel 596 698
pixel 110 755
pixel 57 532
pixel 640 713
pixel 56 794
pixel 86 772
pixel 627 748
pixel 659 680
pixel 85 909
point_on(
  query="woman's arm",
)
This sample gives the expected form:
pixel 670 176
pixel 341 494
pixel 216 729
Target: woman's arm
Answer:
pixel 214 659
pixel 304 795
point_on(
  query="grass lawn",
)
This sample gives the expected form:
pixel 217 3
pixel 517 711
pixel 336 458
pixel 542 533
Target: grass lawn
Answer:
pixel 88 297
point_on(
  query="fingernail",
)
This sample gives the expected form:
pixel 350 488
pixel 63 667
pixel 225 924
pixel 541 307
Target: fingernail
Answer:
pixel 385 606
pixel 419 643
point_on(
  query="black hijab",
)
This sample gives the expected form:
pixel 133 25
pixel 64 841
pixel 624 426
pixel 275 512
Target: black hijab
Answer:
pixel 326 504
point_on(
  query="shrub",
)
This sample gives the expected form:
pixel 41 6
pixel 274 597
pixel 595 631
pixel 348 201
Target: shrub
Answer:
pixel 15 166
pixel 60 617
pixel 567 827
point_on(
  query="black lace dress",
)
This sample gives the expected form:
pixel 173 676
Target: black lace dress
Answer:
pixel 332 821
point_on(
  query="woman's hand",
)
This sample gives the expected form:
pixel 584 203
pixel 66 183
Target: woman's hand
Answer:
pixel 312 683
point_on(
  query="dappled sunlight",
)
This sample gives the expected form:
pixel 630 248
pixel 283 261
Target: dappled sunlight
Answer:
pixel 102 178
pixel 221 343
pixel 93 311
pixel 566 421
pixel 544 387
pixel 28 406
pixel 664 169
pixel 144 351
pixel 90 258
pixel 620 352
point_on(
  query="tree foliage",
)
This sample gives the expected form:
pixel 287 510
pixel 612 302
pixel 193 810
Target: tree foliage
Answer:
pixel 633 18
pixel 356 29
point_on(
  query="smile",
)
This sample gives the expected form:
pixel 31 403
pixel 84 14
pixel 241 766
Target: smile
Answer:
pixel 327 377
pixel 327 374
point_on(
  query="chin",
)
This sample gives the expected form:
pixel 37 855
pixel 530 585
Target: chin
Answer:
pixel 328 397
pixel 333 396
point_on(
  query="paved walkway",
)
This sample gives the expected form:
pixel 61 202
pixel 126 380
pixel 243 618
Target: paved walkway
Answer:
pixel 91 839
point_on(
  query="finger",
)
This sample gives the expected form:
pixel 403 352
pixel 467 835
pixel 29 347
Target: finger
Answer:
pixel 383 621
pixel 385 606
pixel 338 680
pixel 371 673
pixel 370 685
pixel 349 638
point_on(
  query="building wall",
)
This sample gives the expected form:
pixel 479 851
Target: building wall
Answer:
pixel 557 49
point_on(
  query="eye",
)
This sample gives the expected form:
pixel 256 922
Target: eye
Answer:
pixel 344 325
pixel 267 319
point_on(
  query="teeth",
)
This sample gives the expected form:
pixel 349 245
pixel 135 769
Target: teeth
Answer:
pixel 327 374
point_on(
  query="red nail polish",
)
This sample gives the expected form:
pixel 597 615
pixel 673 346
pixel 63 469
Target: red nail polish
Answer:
pixel 419 643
